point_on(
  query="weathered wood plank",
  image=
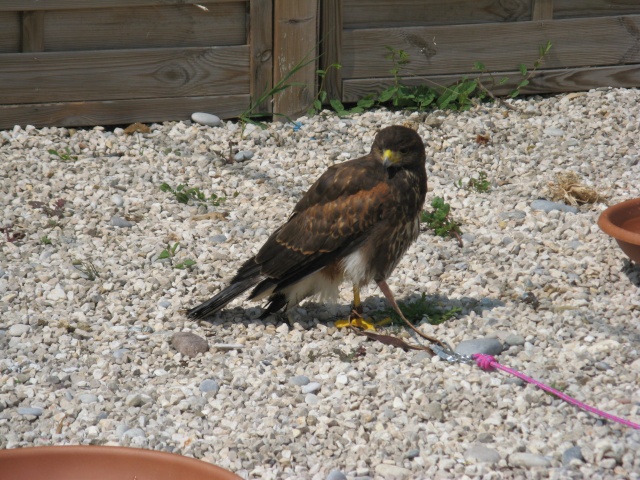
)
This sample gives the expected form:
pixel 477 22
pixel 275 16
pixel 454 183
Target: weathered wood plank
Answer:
pixel 10 32
pixel 123 74
pixel 261 44
pixel 404 13
pixel 29 5
pixel 33 31
pixel 594 8
pixel 170 26
pixel 542 10
pixel 501 47
pixel 295 39
pixel 544 81
pixel 119 111
pixel 331 45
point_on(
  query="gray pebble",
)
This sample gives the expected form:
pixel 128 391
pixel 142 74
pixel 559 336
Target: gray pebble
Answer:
pixel 420 357
pixel 218 238
pixel 385 470
pixel 485 437
pixel 119 353
pixel 513 215
pixel 489 346
pixel 18 330
pixel 121 222
pixel 88 398
pixel 482 454
pixel 299 380
pixel 468 238
pixel 547 206
pixel 247 154
pixel 434 411
pixel 134 432
pixel 573 453
pixel 189 344
pixel 311 399
pixel 164 303
pixel 311 387
pixel 134 400
pixel 514 340
pixel 554 132
pixel 206 119
pixel 2 273
pixel 209 385
pixel 413 453
pixel 117 199
pixel 336 475
pixel 243 155
pixel 524 459
pixel 35 411
pixel 603 366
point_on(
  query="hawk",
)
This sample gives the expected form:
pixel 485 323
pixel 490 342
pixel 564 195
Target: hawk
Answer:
pixel 355 223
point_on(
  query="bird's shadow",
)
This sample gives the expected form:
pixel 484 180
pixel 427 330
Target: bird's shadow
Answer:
pixel 311 313
pixel 632 271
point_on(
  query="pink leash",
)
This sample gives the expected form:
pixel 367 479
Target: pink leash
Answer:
pixel 488 363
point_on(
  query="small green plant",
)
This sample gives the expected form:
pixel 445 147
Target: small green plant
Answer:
pixel 185 264
pixel 321 97
pixel 439 221
pixel 480 184
pixel 45 240
pixel 528 73
pixel 170 252
pixel 185 194
pixel 86 268
pixel 64 156
pixel 460 96
pixel 250 115
pixel 421 309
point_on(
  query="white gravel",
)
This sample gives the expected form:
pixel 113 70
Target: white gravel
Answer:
pixel 86 321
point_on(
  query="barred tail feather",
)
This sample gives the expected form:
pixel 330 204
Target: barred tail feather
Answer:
pixel 214 304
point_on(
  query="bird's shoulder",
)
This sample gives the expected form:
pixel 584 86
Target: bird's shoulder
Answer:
pixel 343 180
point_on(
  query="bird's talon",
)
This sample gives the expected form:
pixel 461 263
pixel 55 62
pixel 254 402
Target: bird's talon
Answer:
pixel 356 322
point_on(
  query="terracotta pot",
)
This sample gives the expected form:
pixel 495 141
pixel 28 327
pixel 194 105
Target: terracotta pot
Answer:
pixel 83 462
pixel 622 222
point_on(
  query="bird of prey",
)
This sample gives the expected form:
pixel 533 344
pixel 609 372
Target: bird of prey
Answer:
pixel 355 223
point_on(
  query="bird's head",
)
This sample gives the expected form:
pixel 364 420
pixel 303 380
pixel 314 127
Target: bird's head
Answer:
pixel 398 147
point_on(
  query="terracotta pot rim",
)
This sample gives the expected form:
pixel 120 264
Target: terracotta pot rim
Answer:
pixel 116 453
pixel 610 228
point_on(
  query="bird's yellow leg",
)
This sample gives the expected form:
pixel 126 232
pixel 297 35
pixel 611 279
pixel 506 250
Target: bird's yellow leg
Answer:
pixel 355 319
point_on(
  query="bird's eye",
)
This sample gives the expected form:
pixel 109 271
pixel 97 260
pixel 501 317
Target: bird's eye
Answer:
pixel 404 150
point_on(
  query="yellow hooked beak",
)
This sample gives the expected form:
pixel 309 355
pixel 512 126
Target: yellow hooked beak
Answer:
pixel 389 158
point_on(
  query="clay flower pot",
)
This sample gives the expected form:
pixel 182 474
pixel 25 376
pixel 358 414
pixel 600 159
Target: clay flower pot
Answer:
pixel 622 222
pixel 81 462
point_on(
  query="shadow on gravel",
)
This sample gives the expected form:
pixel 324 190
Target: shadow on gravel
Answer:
pixel 632 271
pixel 310 314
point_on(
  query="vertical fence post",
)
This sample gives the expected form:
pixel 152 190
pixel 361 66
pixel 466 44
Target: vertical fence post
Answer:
pixel 261 42
pixel 542 10
pixel 331 45
pixel 295 39
pixel 32 31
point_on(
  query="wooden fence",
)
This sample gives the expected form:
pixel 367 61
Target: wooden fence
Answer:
pixel 595 42
pixel 92 62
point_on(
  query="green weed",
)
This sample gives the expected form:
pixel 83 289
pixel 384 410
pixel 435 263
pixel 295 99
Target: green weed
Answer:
pixel 186 194
pixel 419 310
pixel 439 220
pixel 170 252
pixel 64 156
pixel 480 184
